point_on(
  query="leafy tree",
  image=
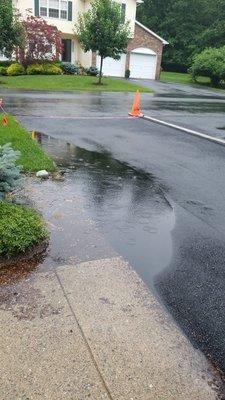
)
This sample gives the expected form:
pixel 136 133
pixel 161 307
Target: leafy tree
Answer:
pixel 101 30
pixel 210 62
pixel 188 25
pixel 12 32
pixel 42 41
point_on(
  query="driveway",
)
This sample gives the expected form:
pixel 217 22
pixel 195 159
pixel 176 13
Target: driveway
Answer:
pixel 190 106
pixel 156 194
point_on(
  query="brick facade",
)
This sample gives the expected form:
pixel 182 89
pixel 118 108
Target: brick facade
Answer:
pixel 142 38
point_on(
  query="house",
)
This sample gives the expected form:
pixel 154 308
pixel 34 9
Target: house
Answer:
pixel 145 48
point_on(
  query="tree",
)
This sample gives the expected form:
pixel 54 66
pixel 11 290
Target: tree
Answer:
pixel 188 25
pixel 211 63
pixel 102 30
pixel 42 41
pixel 12 31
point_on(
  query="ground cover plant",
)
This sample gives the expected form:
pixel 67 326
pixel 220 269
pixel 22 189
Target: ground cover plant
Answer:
pixel 32 158
pixel 20 229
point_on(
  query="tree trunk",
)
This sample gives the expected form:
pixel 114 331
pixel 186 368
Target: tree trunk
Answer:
pixel 100 74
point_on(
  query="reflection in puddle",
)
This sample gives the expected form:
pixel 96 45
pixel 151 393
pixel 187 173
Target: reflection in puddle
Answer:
pixel 127 205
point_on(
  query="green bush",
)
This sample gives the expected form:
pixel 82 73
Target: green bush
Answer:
pixel 9 171
pixel 51 69
pixel 69 68
pixel 211 63
pixel 20 228
pixel 15 69
pixel 43 69
pixel 92 71
pixel 3 70
pixel 35 69
pixel 5 63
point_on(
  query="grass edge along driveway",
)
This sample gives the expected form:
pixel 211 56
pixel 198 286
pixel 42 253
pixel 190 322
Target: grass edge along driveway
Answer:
pixel 32 157
pixel 68 82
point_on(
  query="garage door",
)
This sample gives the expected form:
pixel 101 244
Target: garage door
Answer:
pixel 143 64
pixel 113 67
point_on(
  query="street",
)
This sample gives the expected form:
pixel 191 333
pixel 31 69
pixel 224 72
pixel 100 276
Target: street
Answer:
pixel 187 271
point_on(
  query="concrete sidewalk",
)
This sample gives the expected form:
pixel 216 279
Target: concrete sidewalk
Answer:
pixel 94 331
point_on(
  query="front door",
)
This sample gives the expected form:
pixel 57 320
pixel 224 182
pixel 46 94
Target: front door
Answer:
pixel 66 51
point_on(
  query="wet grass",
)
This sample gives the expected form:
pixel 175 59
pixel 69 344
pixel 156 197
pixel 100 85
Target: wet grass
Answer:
pixel 178 77
pixel 68 83
pixel 32 156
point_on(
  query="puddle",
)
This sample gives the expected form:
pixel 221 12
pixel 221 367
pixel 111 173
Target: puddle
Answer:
pixel 128 208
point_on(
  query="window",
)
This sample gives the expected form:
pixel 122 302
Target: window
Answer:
pixel 123 12
pixel 54 9
pixel 64 9
pixel 43 8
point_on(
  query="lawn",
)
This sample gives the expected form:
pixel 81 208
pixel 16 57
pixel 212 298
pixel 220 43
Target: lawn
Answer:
pixel 68 82
pixel 32 156
pixel 178 77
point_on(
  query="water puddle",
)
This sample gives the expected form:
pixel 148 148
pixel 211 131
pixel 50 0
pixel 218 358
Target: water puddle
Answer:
pixel 127 206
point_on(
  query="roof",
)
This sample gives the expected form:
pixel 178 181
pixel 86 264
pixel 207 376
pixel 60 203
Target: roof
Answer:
pixel 151 32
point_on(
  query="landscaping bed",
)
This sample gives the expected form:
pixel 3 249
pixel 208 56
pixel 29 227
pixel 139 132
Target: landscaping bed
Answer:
pixel 22 230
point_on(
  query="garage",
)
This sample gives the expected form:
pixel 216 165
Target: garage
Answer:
pixel 143 63
pixel 113 67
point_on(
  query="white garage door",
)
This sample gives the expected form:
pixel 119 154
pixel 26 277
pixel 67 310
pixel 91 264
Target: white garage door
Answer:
pixel 143 64
pixel 113 67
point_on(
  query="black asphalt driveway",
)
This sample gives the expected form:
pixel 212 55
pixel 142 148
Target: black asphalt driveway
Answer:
pixel 188 173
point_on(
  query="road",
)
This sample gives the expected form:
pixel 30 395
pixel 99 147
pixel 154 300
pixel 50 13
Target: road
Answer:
pixel 188 173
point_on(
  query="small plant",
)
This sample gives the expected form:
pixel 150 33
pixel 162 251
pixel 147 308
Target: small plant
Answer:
pixel 35 69
pixel 51 69
pixel 69 68
pixel 127 74
pixel 3 70
pixel 15 69
pixel 92 71
pixel 20 229
pixel 211 63
pixel 9 172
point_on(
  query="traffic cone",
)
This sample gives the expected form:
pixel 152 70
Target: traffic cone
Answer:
pixel 5 121
pixel 135 111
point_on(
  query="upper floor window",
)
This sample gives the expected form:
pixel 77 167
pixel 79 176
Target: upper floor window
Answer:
pixel 54 8
pixel 123 12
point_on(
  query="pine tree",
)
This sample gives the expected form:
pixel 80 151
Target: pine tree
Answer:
pixel 10 177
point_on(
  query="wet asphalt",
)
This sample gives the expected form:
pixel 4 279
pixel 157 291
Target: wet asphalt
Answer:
pixel 166 183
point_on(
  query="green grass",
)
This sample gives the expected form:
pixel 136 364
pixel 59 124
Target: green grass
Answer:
pixel 68 82
pixel 32 156
pixel 20 228
pixel 178 77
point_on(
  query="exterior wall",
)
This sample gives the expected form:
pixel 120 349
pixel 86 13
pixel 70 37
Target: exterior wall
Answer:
pixel 142 38
pixel 68 29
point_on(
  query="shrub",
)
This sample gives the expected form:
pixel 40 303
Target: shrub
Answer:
pixel 92 71
pixel 9 171
pixel 51 69
pixel 35 69
pixel 3 70
pixel 20 228
pixel 127 74
pixel 15 69
pixel 69 68
pixel 5 63
pixel 211 63
pixel 43 69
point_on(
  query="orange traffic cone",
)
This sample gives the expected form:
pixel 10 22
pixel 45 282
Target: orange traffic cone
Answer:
pixel 135 111
pixel 5 121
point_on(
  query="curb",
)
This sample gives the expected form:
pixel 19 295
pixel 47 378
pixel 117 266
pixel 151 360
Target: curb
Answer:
pixel 186 130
